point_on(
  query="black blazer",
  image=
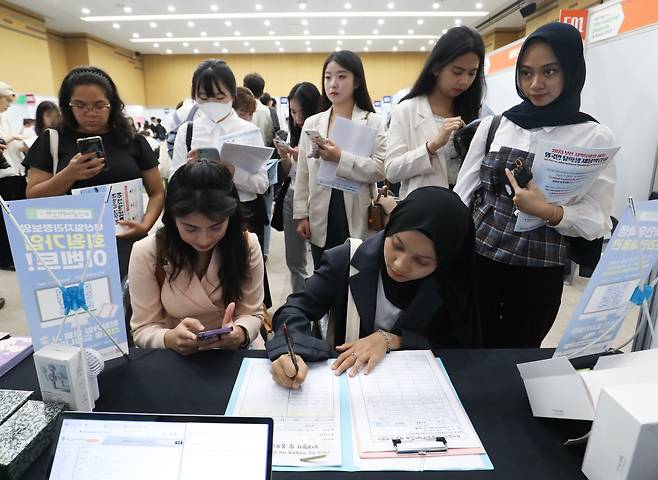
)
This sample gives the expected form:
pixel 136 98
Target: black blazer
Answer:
pixel 421 325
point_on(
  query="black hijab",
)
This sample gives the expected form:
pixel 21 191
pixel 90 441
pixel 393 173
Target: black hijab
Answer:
pixel 441 216
pixel 567 46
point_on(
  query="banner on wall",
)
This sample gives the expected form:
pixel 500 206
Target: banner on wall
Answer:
pixel 66 232
pixel 618 17
pixel 577 19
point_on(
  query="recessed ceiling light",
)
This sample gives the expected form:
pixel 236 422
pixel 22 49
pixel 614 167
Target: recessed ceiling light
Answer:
pixel 116 26
pixel 153 25
pixel 420 21
pixel 127 9
pixel 252 49
pixel 196 50
pixel 224 50
pixel 214 8
pixel 236 33
pixel 343 21
pixel 156 45
pixel 185 44
pixel 339 42
pixel 309 49
pixel 135 35
pixel 431 42
pixel 169 34
pixel 306 32
pixel 171 8
pixel 203 34
pixel 369 42
pixel 375 32
pixel 246 44
pixel 302 5
pixel 228 23
pixel 458 21
pixel 478 5
pixel 168 51
pixel 395 49
pixel 277 43
pixel 304 22
pixel 271 32
pixel 435 5
pixel 422 49
pixel 410 31
pixel 390 5
pixel 337 49
pixel 281 49
pixel 258 6
pixel 267 23
pixel 190 24
pixel 380 21
pixel 216 44
pixel 307 42
pixel 365 49
pixel 444 31
pixel 341 32
pixel 348 5
pixel 401 42
pixel 85 11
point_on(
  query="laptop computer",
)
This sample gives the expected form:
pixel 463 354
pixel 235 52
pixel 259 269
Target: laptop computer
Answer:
pixel 128 446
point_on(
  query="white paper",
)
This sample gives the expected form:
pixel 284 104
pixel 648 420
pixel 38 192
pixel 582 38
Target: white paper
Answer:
pixel 306 421
pixel 408 397
pixel 250 158
pixel 352 137
pixel 563 172
pixel 127 200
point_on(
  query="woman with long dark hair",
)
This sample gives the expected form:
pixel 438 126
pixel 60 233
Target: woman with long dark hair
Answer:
pixel 303 102
pixel 91 106
pixel 47 116
pixel 201 271
pixel 446 96
pixel 328 216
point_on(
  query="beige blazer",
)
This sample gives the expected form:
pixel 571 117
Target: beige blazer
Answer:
pixel 156 311
pixel 312 200
pixel 407 159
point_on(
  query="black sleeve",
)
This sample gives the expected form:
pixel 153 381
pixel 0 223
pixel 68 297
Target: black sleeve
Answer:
pixel 146 157
pixel 311 304
pixel 38 156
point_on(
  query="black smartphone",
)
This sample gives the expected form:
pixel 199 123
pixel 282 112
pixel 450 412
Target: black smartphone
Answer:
pixel 210 154
pixel 93 145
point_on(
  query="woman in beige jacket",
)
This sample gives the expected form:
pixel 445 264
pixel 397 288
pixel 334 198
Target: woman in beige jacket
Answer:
pixel 328 216
pixel 201 271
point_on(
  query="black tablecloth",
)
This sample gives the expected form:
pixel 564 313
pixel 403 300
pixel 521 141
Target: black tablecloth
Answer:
pixel 487 381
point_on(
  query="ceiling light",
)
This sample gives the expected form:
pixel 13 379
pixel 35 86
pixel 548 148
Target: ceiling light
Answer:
pixel 435 5
pixel 380 21
pixel 341 32
pixel 306 32
pixel 216 44
pixel 156 45
pixel 85 11
pixel 185 44
pixel 309 49
pixel 190 24
pixel 258 6
pixel 348 5
pixel 431 42
pixel 237 33
pixel 410 31
pixel 203 34
pixel 277 43
pixel 116 26
pixel 478 5
pixel 444 31
pixel 171 8
pixel 337 49
pixel 153 25
pixel 169 34
pixel 169 51
pixel 339 42
pixel 127 9
pixel 214 8
pixel 307 42
pixel 395 49
pixel 246 44
pixel 375 32
pixel 390 5
pixel 302 5
pixel 369 42
pixel 271 32
pixel 458 21
pixel 365 49
pixel 196 50
pixel 420 21
pixel 401 42
pixel 228 23
pixel 135 35
pixel 224 50
pixel 267 23
pixel 304 22
pixel 252 49
pixel 280 49
pixel 343 21
pixel 422 49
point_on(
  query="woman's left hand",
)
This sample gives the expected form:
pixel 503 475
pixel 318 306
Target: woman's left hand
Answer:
pixel 329 151
pixel 530 200
pixel 365 352
pixel 132 229
pixel 228 341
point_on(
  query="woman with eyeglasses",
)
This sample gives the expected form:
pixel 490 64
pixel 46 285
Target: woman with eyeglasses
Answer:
pixel 91 106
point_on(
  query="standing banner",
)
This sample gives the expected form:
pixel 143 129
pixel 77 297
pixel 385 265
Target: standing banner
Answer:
pixel 62 230
pixel 624 266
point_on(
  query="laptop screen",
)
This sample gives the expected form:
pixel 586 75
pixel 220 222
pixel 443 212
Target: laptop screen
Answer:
pixel 176 448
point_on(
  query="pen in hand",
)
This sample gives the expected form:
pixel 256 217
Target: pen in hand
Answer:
pixel 291 352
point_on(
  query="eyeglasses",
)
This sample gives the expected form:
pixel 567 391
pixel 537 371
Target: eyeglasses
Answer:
pixel 96 108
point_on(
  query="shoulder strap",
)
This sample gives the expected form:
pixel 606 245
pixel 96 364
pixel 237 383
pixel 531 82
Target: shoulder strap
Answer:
pixel 188 136
pixel 495 123
pixel 352 320
pixel 193 110
pixel 54 148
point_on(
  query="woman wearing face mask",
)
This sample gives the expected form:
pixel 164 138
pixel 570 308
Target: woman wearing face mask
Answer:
pixel 303 102
pixel 328 216
pixel 414 289
pixel 201 270
pixel 445 97
pixel 520 274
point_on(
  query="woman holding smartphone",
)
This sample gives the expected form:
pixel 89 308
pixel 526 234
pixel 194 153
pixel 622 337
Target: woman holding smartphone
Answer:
pixel 328 216
pixel 201 271
pixel 91 107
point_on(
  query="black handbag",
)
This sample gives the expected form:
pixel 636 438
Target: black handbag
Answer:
pixel 277 214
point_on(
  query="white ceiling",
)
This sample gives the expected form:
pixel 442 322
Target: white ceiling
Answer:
pixel 221 26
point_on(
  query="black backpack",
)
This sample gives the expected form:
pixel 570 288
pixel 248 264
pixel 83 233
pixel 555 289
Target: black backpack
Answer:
pixel 462 138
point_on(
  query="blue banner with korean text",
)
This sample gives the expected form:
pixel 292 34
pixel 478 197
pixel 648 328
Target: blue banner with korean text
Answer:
pixel 63 234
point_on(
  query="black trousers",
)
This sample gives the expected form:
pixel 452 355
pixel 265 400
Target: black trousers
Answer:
pixel 518 305
pixel 11 188
pixel 256 222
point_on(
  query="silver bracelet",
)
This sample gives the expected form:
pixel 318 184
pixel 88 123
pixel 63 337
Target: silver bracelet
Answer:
pixel 387 337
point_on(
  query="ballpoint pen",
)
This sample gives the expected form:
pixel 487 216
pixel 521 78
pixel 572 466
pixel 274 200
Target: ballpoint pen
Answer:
pixel 291 352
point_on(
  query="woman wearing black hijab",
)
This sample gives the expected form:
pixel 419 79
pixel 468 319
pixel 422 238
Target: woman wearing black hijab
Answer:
pixel 520 274
pixel 413 286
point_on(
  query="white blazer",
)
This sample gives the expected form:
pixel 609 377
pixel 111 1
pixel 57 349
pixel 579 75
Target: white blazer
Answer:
pixel 407 159
pixel 312 200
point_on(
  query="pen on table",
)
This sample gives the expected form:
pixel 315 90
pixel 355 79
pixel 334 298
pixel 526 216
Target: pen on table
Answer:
pixel 291 352
pixel 310 459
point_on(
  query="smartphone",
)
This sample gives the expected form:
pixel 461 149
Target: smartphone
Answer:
pixel 315 136
pixel 92 145
pixel 282 143
pixel 212 334
pixel 210 154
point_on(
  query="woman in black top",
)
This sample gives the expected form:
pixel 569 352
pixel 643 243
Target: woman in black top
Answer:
pixel 91 106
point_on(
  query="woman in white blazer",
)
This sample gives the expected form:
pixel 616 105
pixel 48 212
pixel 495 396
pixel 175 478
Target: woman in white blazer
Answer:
pixel 445 97
pixel 328 216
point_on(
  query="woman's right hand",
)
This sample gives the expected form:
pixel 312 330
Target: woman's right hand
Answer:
pixel 84 166
pixel 283 371
pixel 443 135
pixel 304 229
pixel 182 339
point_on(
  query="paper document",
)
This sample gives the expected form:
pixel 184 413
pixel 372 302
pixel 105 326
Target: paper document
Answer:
pixel 408 397
pixel 306 421
pixel 250 158
pixel 127 200
pixel 352 137
pixel 563 173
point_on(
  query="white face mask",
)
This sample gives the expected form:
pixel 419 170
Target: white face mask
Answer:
pixel 216 111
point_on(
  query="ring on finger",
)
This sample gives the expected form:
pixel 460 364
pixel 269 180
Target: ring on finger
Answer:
pixel 353 354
